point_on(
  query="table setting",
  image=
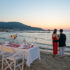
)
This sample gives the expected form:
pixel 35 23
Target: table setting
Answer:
pixel 30 51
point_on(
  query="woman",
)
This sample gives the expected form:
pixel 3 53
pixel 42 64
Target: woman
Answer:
pixel 55 42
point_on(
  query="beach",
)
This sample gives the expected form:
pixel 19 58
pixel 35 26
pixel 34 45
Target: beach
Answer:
pixel 44 41
pixel 34 33
pixel 48 62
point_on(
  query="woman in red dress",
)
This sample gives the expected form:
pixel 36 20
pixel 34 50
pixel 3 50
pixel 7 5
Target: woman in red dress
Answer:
pixel 55 43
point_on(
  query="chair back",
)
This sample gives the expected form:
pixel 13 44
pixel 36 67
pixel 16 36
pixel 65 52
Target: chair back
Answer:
pixel 6 49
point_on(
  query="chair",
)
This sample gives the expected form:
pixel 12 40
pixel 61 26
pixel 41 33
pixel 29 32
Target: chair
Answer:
pixel 11 59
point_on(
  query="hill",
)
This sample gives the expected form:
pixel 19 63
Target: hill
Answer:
pixel 17 26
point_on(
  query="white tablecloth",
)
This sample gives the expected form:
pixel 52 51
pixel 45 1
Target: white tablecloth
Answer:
pixel 30 54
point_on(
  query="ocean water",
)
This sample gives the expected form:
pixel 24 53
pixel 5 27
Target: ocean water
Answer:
pixel 43 39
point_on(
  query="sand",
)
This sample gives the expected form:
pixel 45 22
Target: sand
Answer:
pixel 48 62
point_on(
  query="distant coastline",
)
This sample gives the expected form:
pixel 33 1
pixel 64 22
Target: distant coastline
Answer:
pixel 16 26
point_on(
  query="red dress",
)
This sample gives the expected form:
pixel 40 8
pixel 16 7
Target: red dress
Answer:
pixel 55 46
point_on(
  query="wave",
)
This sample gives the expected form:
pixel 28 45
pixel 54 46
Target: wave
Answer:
pixel 44 44
pixel 2 38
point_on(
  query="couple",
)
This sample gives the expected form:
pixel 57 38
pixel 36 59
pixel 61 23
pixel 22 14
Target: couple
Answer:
pixel 58 41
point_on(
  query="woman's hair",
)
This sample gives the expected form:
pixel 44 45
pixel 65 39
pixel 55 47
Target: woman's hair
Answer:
pixel 55 30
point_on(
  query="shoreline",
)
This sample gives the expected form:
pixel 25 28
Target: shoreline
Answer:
pixel 51 52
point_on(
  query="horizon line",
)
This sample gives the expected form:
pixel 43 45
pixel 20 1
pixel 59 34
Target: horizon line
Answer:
pixel 35 26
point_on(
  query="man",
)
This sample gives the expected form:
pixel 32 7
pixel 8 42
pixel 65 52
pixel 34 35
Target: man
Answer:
pixel 62 42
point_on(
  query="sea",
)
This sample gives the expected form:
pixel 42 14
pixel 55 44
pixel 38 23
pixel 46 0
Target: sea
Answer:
pixel 42 39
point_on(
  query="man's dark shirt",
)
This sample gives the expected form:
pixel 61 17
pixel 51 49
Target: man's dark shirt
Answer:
pixel 62 40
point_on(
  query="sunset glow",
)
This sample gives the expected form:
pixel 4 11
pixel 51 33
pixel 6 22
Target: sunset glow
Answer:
pixel 46 14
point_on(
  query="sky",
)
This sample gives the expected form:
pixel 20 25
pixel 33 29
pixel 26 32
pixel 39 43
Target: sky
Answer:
pixel 46 14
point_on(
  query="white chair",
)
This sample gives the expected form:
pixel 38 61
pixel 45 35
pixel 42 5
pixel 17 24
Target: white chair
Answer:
pixel 10 59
